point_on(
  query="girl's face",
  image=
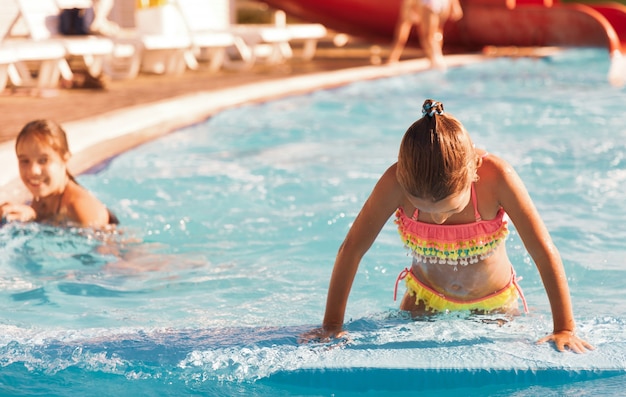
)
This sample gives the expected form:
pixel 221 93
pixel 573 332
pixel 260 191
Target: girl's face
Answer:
pixel 441 210
pixel 42 170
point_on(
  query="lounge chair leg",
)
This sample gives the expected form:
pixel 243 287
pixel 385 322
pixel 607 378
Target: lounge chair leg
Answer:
pixel 217 59
pixel 134 66
pixel 94 64
pixel 4 76
pixel 284 51
pixel 190 60
pixel 175 64
pixel 246 54
pixel 308 49
pixel 66 71
pixel 14 75
pixel 20 75
pixel 49 74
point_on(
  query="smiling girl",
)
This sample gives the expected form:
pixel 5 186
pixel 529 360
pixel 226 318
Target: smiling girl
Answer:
pixel 42 152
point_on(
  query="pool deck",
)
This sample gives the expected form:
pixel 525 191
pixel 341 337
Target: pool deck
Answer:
pixel 104 122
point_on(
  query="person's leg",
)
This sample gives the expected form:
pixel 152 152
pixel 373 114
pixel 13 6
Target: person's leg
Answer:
pixel 431 37
pixel 409 16
pixel 400 38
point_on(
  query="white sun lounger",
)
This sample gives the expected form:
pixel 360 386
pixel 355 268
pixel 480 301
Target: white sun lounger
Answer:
pixel 203 22
pixel 41 18
pixel 16 52
pixel 307 33
pixel 253 43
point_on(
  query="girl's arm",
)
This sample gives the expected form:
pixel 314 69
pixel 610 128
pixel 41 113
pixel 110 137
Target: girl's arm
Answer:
pixel 383 201
pixel 513 196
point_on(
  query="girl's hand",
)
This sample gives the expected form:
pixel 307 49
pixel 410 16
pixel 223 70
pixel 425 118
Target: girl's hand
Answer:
pixel 567 340
pixel 321 335
pixel 17 212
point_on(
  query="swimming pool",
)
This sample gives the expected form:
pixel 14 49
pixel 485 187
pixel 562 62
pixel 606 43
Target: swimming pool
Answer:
pixel 231 228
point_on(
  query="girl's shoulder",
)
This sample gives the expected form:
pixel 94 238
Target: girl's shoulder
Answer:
pixel 498 179
pixel 492 164
pixel 84 207
pixel 75 193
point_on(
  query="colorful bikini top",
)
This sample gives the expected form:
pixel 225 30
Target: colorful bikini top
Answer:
pixel 452 244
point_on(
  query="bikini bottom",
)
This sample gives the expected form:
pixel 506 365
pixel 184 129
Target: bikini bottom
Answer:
pixel 502 300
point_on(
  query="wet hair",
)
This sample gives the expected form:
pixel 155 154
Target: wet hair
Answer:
pixel 47 132
pixel 436 155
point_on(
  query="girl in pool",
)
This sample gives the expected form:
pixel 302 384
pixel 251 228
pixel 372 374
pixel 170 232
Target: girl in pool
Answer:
pixel 42 153
pixel 449 199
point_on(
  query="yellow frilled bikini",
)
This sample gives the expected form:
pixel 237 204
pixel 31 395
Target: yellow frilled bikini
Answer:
pixel 456 245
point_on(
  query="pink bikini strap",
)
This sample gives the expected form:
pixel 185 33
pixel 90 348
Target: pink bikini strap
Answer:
pixel 401 277
pixel 475 203
pixel 514 280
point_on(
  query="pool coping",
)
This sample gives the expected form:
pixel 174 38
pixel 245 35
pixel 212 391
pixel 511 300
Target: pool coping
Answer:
pixel 97 139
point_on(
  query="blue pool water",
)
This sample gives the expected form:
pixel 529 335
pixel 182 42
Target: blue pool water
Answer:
pixel 230 228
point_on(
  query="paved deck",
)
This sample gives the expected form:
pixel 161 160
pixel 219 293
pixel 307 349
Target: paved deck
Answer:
pixel 102 123
pixel 66 105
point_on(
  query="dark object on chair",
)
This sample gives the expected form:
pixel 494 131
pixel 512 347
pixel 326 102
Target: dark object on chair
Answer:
pixel 75 21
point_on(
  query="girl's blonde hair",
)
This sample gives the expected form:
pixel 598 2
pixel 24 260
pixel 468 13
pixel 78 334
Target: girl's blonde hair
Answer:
pixel 436 156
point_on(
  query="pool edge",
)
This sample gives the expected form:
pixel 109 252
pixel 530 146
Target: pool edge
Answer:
pixel 96 139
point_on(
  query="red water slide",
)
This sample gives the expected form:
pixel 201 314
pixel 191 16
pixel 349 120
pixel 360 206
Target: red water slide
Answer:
pixel 485 22
pixel 615 15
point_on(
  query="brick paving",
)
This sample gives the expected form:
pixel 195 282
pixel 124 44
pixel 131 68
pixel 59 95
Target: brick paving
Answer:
pixel 71 104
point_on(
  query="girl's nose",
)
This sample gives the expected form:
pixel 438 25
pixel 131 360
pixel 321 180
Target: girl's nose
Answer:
pixel 35 169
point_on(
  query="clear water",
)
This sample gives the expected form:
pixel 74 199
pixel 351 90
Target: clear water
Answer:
pixel 230 228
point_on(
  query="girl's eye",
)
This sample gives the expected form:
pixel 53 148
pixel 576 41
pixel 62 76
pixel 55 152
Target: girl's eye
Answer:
pixel 42 161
